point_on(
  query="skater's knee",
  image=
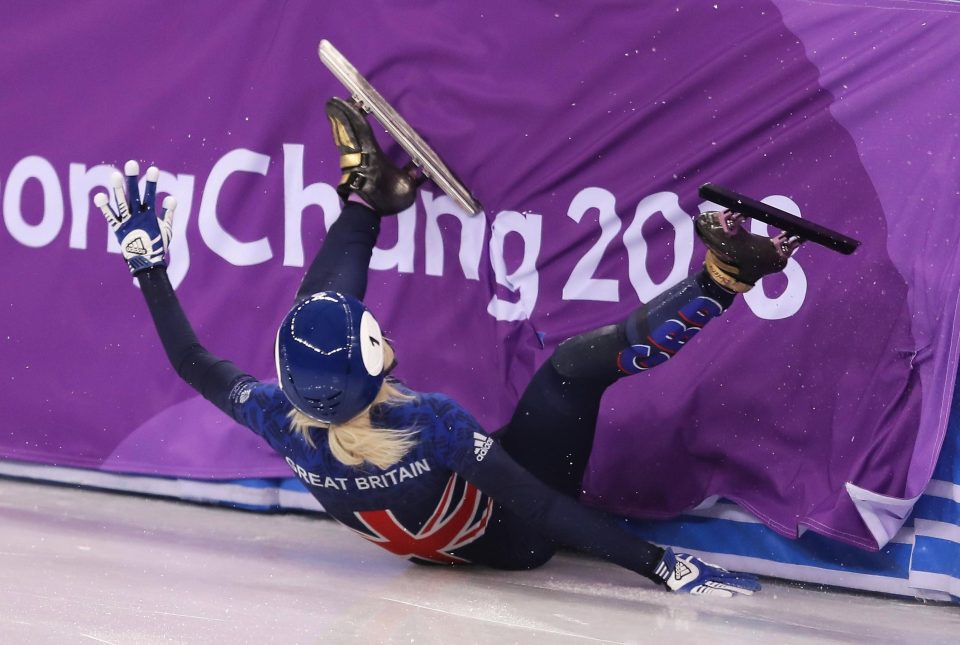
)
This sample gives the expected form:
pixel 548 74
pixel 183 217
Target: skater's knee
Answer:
pixel 592 355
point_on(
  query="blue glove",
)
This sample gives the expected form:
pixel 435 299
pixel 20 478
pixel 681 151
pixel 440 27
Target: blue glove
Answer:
pixel 143 238
pixel 685 573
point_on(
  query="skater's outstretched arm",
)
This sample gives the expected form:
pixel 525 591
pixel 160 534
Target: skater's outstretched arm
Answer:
pixel 143 243
pixel 214 378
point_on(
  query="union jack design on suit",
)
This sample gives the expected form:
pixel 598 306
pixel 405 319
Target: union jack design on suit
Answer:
pixel 446 530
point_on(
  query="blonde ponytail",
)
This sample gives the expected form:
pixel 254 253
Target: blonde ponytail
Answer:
pixel 357 441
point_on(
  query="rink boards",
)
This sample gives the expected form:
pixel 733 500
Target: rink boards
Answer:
pixel 922 560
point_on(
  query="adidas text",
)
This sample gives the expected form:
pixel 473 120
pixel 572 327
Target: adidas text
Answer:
pixel 481 445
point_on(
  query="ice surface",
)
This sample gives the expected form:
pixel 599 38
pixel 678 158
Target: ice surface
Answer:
pixel 78 566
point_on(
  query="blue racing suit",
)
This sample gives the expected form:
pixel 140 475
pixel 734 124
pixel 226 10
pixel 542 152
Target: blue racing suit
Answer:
pixel 459 495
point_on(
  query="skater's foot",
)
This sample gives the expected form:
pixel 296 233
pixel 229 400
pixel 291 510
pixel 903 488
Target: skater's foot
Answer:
pixel 736 259
pixel 367 173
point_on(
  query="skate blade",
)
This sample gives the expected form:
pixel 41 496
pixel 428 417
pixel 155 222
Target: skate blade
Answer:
pixel 419 150
pixel 791 224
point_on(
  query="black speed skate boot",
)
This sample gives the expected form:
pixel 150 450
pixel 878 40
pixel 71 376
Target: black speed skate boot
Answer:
pixel 736 259
pixel 366 170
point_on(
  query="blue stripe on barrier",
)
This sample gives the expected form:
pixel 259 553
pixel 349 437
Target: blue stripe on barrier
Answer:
pixel 930 554
pixel 293 484
pixel 937 556
pixel 256 482
pixel 947 469
pixel 948 465
pixel 929 507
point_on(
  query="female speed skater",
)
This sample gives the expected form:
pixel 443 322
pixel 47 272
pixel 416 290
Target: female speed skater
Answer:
pixel 414 472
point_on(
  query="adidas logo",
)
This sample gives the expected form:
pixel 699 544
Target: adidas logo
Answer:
pixel 681 570
pixel 136 247
pixel 481 445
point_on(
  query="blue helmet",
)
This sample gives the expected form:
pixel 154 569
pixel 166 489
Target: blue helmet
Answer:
pixel 330 357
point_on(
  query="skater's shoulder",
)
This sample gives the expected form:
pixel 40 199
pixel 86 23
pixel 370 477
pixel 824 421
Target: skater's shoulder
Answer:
pixel 441 403
pixel 426 412
pixel 411 399
pixel 250 393
pixel 262 393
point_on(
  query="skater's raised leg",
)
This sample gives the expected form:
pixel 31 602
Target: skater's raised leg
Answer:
pixel 737 259
pixel 421 154
pixel 551 432
pixel 367 172
pixel 371 186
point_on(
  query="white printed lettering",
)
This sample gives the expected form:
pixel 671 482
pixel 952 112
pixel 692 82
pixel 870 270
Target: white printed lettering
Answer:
pixel 400 256
pixel 211 231
pixel 82 183
pixel 668 204
pixel 420 467
pixel 178 256
pixel 296 198
pixel 473 230
pixel 790 301
pixel 41 234
pixel 524 278
pixel 581 285
pixel 40 228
